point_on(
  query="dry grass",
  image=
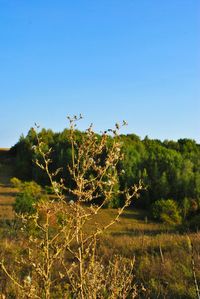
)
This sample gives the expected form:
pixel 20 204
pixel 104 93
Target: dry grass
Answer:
pixel 132 223
pixel 7 198
pixel 7 193
pixel 163 257
pixel 6 212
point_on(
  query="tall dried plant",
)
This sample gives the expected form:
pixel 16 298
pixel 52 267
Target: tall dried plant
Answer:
pixel 61 248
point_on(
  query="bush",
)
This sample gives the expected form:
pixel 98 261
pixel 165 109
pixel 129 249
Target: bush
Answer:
pixel 29 194
pixel 166 211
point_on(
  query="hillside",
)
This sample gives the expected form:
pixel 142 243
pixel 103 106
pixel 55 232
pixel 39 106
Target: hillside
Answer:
pixel 7 193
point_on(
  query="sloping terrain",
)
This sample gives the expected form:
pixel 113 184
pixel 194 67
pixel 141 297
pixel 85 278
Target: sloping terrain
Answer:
pixel 7 193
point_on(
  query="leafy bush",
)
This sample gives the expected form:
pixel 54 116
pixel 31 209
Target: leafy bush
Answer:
pixel 166 211
pixel 24 203
pixel 29 194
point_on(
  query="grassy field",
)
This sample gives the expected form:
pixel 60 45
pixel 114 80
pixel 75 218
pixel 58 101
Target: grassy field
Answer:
pixel 163 256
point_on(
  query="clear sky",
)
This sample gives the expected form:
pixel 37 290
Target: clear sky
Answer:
pixel 110 60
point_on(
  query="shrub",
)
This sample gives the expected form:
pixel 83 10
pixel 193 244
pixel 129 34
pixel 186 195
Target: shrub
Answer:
pixel 166 211
pixel 29 194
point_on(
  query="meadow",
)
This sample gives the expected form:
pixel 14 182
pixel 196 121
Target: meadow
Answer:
pixel 163 257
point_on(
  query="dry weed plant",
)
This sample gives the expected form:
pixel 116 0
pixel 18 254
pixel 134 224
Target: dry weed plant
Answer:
pixel 60 258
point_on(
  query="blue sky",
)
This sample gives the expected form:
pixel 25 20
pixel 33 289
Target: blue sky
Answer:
pixel 110 60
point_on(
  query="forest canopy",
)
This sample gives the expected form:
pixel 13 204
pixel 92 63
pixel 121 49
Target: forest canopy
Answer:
pixel 168 169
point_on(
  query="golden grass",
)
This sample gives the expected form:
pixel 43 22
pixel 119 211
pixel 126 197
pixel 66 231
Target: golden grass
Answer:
pixel 163 256
pixel 6 212
pixel 131 223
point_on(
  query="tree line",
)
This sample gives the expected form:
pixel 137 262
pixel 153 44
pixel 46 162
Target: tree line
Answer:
pixel 168 169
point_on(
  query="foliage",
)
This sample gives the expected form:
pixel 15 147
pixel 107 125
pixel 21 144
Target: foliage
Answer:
pixel 29 193
pixel 170 169
pixel 166 211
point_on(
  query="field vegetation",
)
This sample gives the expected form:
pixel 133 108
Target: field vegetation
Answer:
pixel 151 251
pixel 163 255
